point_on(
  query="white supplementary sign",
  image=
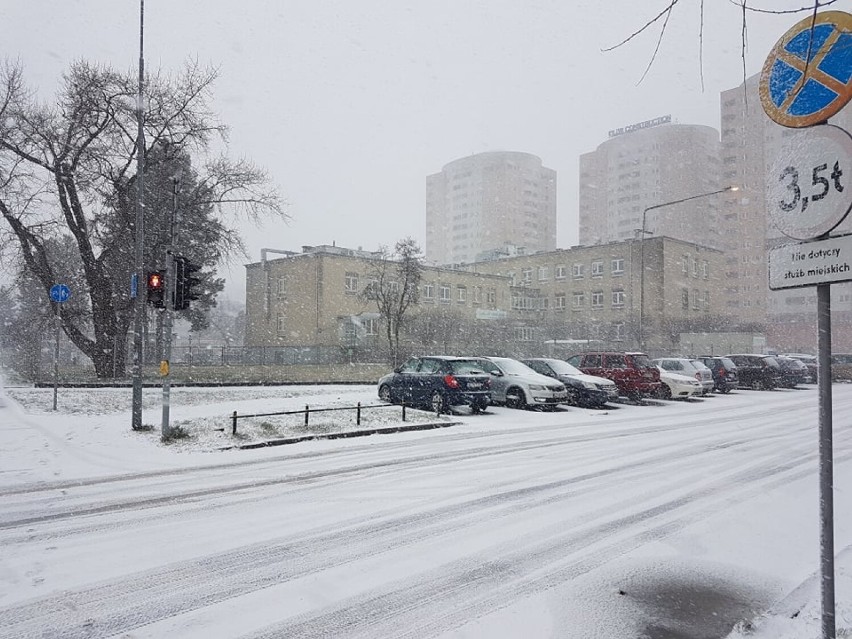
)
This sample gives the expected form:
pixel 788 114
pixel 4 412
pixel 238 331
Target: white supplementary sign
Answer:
pixel 811 263
pixel 809 184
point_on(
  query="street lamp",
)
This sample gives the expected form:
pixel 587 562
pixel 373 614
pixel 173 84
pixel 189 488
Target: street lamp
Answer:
pixel 642 251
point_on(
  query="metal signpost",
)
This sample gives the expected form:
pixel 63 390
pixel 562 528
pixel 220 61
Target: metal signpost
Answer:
pixel 59 293
pixel 807 78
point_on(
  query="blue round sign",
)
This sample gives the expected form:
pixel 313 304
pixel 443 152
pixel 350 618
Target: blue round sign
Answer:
pixel 59 293
pixel 807 78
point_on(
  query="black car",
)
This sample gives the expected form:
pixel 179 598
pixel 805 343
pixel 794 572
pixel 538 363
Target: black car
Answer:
pixel 793 372
pixel 725 376
pixel 438 382
pixel 583 390
pixel 760 372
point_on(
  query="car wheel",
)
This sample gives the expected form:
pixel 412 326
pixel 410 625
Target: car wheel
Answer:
pixel 477 406
pixel 758 384
pixel 515 398
pixel 439 403
pixel 385 394
pixel 665 392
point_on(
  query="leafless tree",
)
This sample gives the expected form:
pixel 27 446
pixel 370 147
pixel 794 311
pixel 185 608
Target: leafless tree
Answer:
pixel 67 172
pixel 394 286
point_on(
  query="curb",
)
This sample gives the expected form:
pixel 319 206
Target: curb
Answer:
pixel 342 435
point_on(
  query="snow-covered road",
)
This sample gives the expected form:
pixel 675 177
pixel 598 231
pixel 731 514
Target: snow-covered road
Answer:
pixel 635 521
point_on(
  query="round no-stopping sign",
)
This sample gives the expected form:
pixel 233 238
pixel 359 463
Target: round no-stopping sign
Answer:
pixel 809 185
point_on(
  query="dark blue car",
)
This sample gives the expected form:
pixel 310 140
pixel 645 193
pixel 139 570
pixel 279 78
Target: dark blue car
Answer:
pixel 438 382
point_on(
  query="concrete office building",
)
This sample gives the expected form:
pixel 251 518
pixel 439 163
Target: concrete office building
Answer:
pixel 646 164
pixel 482 202
pixel 750 141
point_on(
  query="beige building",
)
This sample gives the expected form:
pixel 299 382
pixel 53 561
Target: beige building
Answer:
pixel 647 164
pixel 482 202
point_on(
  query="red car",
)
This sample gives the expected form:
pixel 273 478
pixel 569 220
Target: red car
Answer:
pixel 633 373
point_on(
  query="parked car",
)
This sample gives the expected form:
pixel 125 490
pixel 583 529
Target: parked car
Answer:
pixel 583 390
pixel 811 361
pixel 633 373
pixel 841 367
pixel 518 386
pixel 438 382
pixel 690 368
pixel 677 386
pixel 725 377
pixel 793 372
pixel 760 372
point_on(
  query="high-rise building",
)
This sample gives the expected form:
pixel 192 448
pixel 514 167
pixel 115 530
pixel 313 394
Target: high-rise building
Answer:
pixel 646 164
pixel 750 141
pixel 485 201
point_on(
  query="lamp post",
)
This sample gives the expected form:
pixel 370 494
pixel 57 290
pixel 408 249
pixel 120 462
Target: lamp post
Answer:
pixel 642 251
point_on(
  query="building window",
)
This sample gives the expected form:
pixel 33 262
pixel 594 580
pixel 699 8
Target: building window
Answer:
pixel 597 299
pixel 281 287
pixel 281 324
pixel 429 291
pixel 351 283
pixel 544 303
pixel 523 334
pixel 684 263
pixel 578 271
pixel 684 297
pixel 618 299
pixel 445 293
pixel 579 299
pixel 543 273
pixel 371 326
pixel 477 293
pixel 559 302
pixel 694 267
pixel 618 332
pixel 597 268
pixel 696 302
pixel 618 266
pixel 462 294
pixel 527 275
pixel 705 269
pixel 706 300
pixel 560 272
pixel 491 296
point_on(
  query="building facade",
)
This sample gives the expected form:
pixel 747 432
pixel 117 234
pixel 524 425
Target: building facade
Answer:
pixel 518 306
pixel 644 165
pixel 482 202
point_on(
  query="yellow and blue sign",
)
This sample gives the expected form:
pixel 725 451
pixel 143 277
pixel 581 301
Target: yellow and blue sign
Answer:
pixel 807 77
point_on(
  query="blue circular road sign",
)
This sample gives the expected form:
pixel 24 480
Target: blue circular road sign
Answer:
pixel 807 77
pixel 59 293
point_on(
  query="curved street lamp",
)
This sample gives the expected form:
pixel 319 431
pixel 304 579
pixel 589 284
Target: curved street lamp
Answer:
pixel 642 251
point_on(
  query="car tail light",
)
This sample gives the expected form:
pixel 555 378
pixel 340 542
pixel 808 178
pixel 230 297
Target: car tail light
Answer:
pixel 698 376
pixel 722 371
pixel 451 381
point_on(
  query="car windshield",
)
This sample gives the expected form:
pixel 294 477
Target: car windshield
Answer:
pixel 563 368
pixel 771 361
pixel 467 367
pixel 512 366
pixel 727 363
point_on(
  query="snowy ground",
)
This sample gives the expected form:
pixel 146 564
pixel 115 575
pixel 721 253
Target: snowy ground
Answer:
pixel 662 521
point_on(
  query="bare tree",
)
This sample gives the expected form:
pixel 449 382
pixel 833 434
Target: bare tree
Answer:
pixel 67 173
pixel 394 286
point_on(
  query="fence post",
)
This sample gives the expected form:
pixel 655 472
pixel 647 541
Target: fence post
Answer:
pixel 403 410
pixel 358 415
pixel 234 423
pixel 307 410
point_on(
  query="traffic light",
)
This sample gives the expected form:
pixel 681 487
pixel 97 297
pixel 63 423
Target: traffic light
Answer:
pixel 155 284
pixel 187 285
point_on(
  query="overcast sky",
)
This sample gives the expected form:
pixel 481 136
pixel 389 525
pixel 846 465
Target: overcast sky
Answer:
pixel 349 105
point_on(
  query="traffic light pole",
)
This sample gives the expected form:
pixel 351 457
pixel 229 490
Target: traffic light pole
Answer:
pixel 171 289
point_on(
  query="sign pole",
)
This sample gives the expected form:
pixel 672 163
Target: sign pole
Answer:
pixel 826 462
pixel 57 321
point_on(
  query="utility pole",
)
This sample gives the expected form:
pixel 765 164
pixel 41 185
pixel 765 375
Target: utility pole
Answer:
pixel 171 289
pixel 137 284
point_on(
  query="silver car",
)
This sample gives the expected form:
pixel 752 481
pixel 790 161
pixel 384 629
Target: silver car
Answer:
pixel 691 368
pixel 518 386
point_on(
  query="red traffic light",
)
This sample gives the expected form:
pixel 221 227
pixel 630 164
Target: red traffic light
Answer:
pixel 155 281
pixel 155 285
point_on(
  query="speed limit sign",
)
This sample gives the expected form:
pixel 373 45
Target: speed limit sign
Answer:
pixel 809 185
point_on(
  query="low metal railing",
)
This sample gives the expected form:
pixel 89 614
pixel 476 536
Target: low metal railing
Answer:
pixel 308 410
